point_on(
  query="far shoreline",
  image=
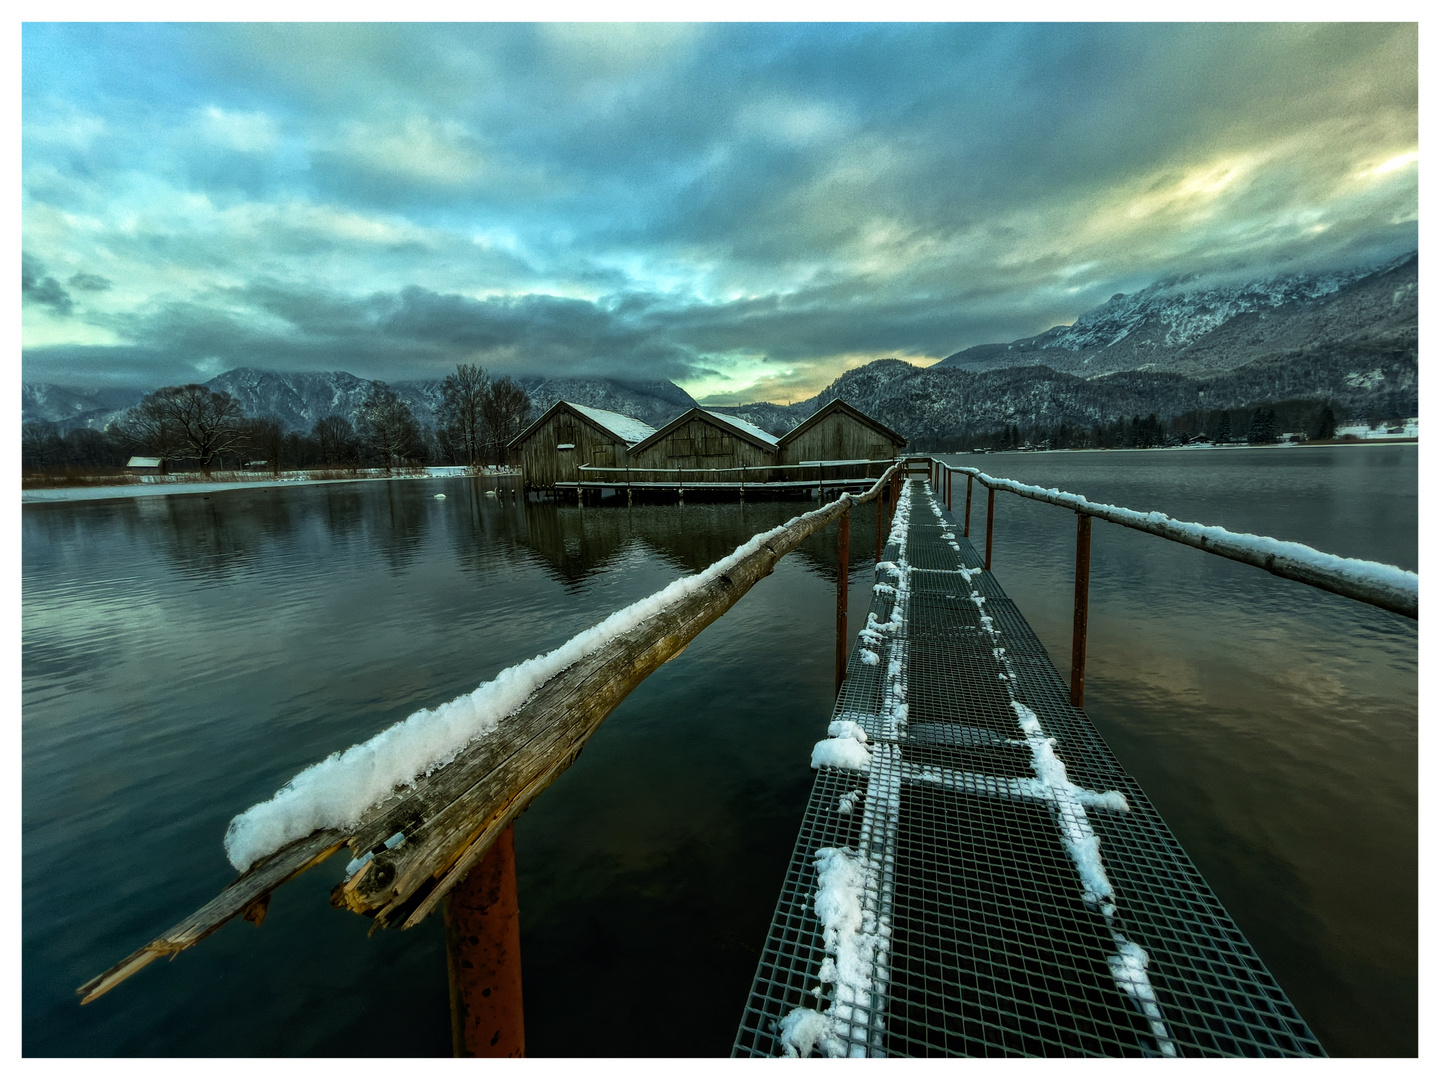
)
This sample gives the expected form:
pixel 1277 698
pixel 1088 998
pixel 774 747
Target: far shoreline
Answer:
pixel 1314 444
pixel 155 487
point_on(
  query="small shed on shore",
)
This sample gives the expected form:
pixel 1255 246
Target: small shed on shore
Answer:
pixel 146 466
pixel 701 439
pixel 839 432
pixel 568 435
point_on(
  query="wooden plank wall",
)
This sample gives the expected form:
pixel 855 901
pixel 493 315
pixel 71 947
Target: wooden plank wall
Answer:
pixel 699 444
pixel 838 437
pixel 544 464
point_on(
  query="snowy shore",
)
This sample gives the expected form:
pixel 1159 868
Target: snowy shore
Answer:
pixel 194 487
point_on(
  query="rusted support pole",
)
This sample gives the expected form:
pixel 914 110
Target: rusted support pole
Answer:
pixel 1082 610
pixel 989 524
pixel 482 938
pixel 969 487
pixel 842 598
pixel 880 526
pixel 949 488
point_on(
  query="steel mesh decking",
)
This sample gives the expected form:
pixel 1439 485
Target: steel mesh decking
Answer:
pixel 989 946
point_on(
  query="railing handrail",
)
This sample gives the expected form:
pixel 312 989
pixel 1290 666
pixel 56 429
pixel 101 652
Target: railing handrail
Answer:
pixel 418 842
pixel 889 462
pixel 1378 584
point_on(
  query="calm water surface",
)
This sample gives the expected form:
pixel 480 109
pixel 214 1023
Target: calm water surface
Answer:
pixel 185 656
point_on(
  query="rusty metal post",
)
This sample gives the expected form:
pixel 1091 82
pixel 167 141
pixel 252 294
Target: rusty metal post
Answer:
pixel 989 524
pixel 482 938
pixel 969 487
pixel 879 524
pixel 842 598
pixel 949 488
pixel 1082 610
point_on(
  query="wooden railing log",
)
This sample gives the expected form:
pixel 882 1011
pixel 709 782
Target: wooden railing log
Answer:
pixel 452 817
pixel 245 894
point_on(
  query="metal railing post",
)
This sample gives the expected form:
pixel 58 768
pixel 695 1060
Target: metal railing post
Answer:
pixel 1082 610
pixel 482 937
pixel 842 598
pixel 989 524
pixel 880 525
pixel 969 487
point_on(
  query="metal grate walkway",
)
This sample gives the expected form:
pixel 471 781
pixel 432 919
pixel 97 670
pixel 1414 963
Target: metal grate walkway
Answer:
pixel 993 883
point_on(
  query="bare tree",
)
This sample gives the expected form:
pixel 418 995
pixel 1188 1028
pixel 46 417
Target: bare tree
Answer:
pixel 264 437
pixel 86 446
pixel 191 419
pixel 387 426
pixel 505 408
pixel 461 419
pixel 336 438
pixel 41 444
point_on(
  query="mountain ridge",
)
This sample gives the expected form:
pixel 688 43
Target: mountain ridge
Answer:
pixel 1349 338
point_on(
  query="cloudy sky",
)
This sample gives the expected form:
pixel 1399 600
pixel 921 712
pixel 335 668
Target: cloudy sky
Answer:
pixel 747 210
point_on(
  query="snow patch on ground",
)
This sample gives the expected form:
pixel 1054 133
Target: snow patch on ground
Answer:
pixel 841 753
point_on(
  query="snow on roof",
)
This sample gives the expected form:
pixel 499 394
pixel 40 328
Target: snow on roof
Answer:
pixel 622 427
pixel 745 426
pixel 143 463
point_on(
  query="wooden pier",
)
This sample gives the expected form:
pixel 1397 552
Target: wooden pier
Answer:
pixel 821 479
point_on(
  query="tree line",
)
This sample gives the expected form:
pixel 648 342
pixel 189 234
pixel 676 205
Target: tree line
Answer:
pixel 1259 426
pixel 476 418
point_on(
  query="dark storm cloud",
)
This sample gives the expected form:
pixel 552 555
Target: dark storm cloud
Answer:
pixel 89 282
pixel 419 332
pixel 39 287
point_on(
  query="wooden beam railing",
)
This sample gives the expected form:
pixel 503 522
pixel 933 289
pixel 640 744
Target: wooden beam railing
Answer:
pixel 1393 589
pixel 423 840
pixel 828 474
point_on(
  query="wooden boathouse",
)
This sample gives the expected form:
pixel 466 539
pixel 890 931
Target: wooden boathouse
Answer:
pixel 714 455
pixel 840 432
pixel 701 439
pixel 567 436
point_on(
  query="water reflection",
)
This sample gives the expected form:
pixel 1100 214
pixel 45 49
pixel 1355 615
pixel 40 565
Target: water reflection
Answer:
pixel 184 656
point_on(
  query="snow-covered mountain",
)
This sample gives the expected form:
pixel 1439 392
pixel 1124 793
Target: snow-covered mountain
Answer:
pixel 299 399
pixel 941 403
pixel 70 407
pixel 1349 338
pixel 296 399
pixel 1190 328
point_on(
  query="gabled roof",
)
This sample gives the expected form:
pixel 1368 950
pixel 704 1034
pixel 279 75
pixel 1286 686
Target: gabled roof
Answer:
pixel 622 427
pixel 837 405
pixel 734 425
pixel 744 425
pixel 625 428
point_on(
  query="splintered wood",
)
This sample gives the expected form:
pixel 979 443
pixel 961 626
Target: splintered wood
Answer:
pixel 420 842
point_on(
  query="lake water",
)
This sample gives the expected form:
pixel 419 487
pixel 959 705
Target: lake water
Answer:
pixel 184 656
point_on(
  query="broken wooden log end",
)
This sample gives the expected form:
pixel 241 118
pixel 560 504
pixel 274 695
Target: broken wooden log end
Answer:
pixel 256 910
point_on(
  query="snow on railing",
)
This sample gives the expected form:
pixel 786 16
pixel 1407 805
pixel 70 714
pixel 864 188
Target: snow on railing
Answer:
pixel 421 803
pixel 1380 584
